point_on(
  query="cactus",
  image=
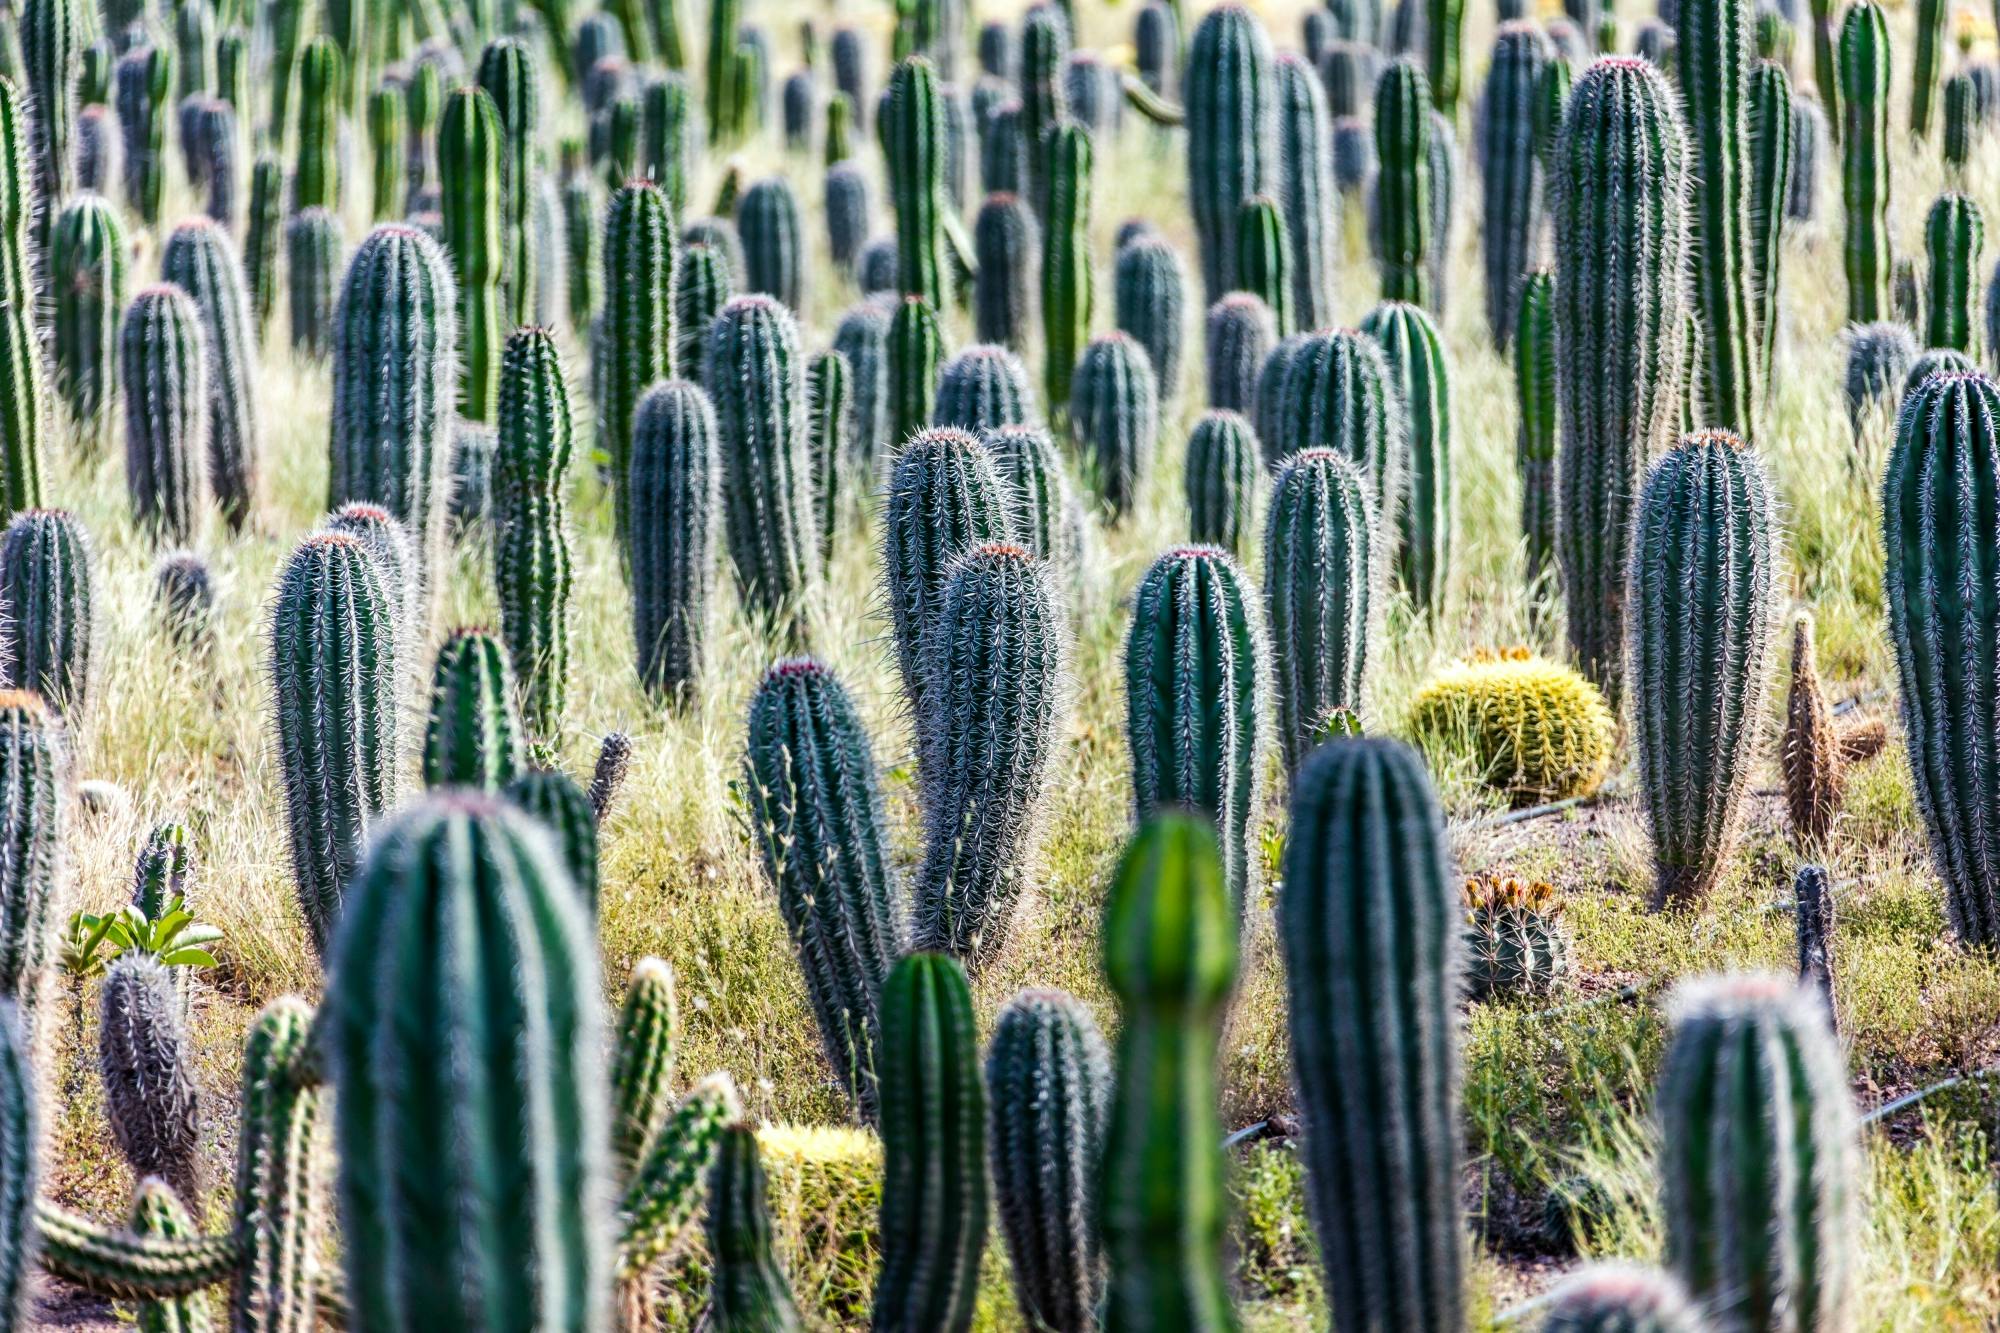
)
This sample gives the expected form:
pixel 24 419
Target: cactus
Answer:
pixel 553 798
pixel 1005 248
pixel 158 1214
pixel 45 608
pixel 470 144
pixel 469 483
pixel 146 1062
pixel 1813 914
pixel 1232 140
pixel 21 407
pixel 312 277
pixel 507 74
pixel 913 130
pixel 1045 38
pixel 638 335
pixel 1864 158
pixel 199 259
pixel 748 1292
pixel 1223 468
pixel 51 37
pixel 1817 752
pixel 1402 218
pixel 165 872
pixel 702 285
pixel 850 71
pixel 849 213
pixel 280 1138
pixel 87 284
pixel 1515 942
pixel 1415 358
pixel 1264 259
pixel 1532 729
pixel 675 484
pixel 1535 357
pixel 1618 1298
pixel 1150 299
pixel 1031 472
pixel 1936 361
pixel 862 337
pixel 799 99
pixel 1758 1137
pixel 1879 356
pixel 472 737
pixel 1268 408
pixel 263 235
pixel 1617 315
pixel 1335 392
pixel 184 594
pixel 19 1139
pixel 32 780
pixel 1197 708
pixel 531 550
pixel 1048 1078
pixel 389 544
pixel 387 155
pixel 1706 520
pixel 838 135
pixel 99 159
pixel 316 172
pixel 774 245
pixel 983 388
pixel 1770 124
pixel 547 1254
pixel 214 139
pixel 875 267
pixel 819 824
pixel 607 775
pixel 915 350
pixel 1810 137
pixel 333 692
pixel 1170 957
pixel 423 107
pixel 1954 235
pixel 582 265
pixel 761 420
pixel 1966 121
pixel 1114 418
pixel 162 356
pixel 1309 192
pixel 993 706
pixel 1373 953
pixel 1066 262
pixel 1240 334
pixel 1516 213
pixel 144 80
pixel 1321 557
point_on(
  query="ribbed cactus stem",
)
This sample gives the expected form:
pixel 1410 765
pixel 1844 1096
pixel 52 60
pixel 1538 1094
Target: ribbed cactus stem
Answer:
pixel 312 277
pixel 470 141
pixel 916 353
pixel 1863 63
pixel 637 340
pixel 1066 263
pixel 87 276
pixel 1240 333
pixel 45 608
pixel 1954 237
pixel 1403 214
pixel 22 412
pixel 1535 356
pixel 143 80
pixel 1322 557
pixel 1221 481
pixel 1421 377
pixel 774 243
pixel 1114 418
pixel 507 74
pixel 19 1144
pixel 1310 194
pixel 152 1096
pixel 675 489
pixel 1232 146
pixel 914 148
pixel 748 1291
pixel 200 259
pixel 1513 236
pixel 531 554
pixel 473 735
pixel 163 361
pixel 1264 259
pixel 32 777
pixel 316 171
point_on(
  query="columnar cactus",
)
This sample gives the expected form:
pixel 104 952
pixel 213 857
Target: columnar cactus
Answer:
pixel 531 557
pixel 552 796
pixel 913 144
pixel 983 388
pixel 1879 356
pixel 472 735
pixel 144 84
pixel 675 484
pixel 850 214
pixel 915 351
pixel 51 38
pixel 1812 140
pixel 200 259
pixel 774 245
pixel 1954 235
pixel 936 1199
pixel 1239 335
pixel 1066 262
pixel 1114 418
pixel 1045 38
pixel 1222 472
pixel 1048 1078
pixel 87 269
pixel 1371 928
pixel 1040 500
pixel 423 106
pixel 507 74
pixel 333 697
pixel 1698 663
pixel 395 368
pixel 702 285
pixel 1005 285
pixel 1619 185
pixel 1813 917
pixel 316 171
pixel 1322 553
pixel 1512 237
pixel 1335 392
pixel 184 596
pixel 470 142
pixel 32 783
pixel 1864 158
pixel 19 1142
pixel 1170 956
pixel 862 336
pixel 582 265
pixel 818 818
pixel 387 124
pixel 1310 194
pixel 993 708
pixel 1770 123
pixel 1232 142
pixel 1758 1138
pixel 312 278
pixel 22 410
pixel 1415 357
pixel 1402 217
pixel 753 350
pixel 829 437
pixel 1535 357
pixel 636 346
pixel 45 608
pixel 1150 301
pixel 405 1119
pixel 1269 408
pixel 216 142
pixel 163 362
pixel 1264 259
pixel 263 237
pixel 145 1058
pixel 159 1215
pixel 747 1291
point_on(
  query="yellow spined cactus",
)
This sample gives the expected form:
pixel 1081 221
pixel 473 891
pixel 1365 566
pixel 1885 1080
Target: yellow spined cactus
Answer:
pixel 1526 726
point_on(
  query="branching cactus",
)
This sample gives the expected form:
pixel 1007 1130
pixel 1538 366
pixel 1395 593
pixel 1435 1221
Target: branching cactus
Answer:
pixel 636 347
pixel 1170 956
pixel 1512 240
pixel 1322 557
pixel 45 608
pixel 470 143
pixel 1197 700
pixel 772 528
pixel 159 1215
pixel 531 556
pixel 774 244
pixel 316 173
pixel 984 388
pixel 1264 259
pixel 87 276
pixel 1773 160
pixel 163 360
pixel 1223 471
pixel 1421 376
pixel 333 693
pixel 995 703
pixel 1535 355
pixel 818 819
pixel 1150 305
pixel 1758 1138
pixel 914 149
pixel 1372 930
pixel 675 485
pixel 1954 235
pixel 144 91
pixel 1402 218
pixel 1230 87
pixel 200 259
pixel 1864 158
pixel 507 74
pixel 1048 1077
pixel 472 737
pixel 1114 418
pixel 19 1144
pixel 145 1058
pixel 1335 392
pixel 312 278
pixel 1701 620
pixel 1240 333
pixel 915 355
pixel 1620 185
pixel 395 370
pixel 702 285
pixel 1040 498
pixel 1066 264
pixel 405 1118
pixel 1619 1298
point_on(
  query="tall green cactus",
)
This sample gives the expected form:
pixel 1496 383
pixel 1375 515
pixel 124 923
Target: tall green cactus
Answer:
pixel 423 108
pixel 87 274
pixel 263 237
pixel 45 608
pixel 1516 211
pixel 531 557
pixel 727 113
pixel 702 285
pixel 1698 664
pixel 162 360
pixel 507 73
pixel 1310 194
pixel 1170 956
pixel 144 90
pixel 1264 259
pixel 1322 555
pixel 1066 265
pixel 200 259
pixel 1620 185
pixel 316 175
pixel 470 142
pixel 636 347
pixel 33 774
pixel 333 699
pixel 472 734
pixel 388 158
pixel 1232 144
pixel 675 486
pixel 818 818
pixel 1535 357
pixel 1048 1078
pixel 1414 353
pixel 936 1200
pixel 1371 926
pixel 417 1141
pixel 1954 235
pixel 312 278
pixel 22 411
pixel 747 1292
pixel 1771 123
pixel 1403 220
pixel 913 147
pixel 1758 1141
pixel 1150 304
pixel 19 1143
pixel 1044 510
pixel 772 528
pixel 1864 159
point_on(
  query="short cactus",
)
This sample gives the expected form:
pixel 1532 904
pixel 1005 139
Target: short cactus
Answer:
pixel 45 608
pixel 1531 729
pixel 313 265
pixel 1264 258
pixel 33 776
pixel 748 1292
pixel 1879 356
pixel 983 388
pixel 146 1061
pixel 862 337
pixel 1954 235
pixel 675 485
pixel 1322 555
pixel 1240 333
pixel 1006 287
pixel 200 259
pixel 1516 944
pixel 472 735
pixel 552 796
pixel 1335 392
pixel 1223 471
pixel 638 330
pixel 1043 508
pixel 163 361
pixel 1813 922
pixel 1150 304
pixel 1817 751
pixel 702 285
pixel 774 248
pixel 1114 418
pixel 184 595
pixel 850 213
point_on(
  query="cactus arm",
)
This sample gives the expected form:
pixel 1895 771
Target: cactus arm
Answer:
pixel 118 1265
pixel 666 1189
pixel 1157 109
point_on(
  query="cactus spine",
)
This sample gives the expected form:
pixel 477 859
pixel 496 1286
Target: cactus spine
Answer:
pixel 32 777
pixel 1516 212
pixel 675 486
pixel 1954 235
pixel 1699 665
pixel 1114 418
pixel 1416 362
pixel 507 74
pixel 162 359
pixel 1066 265
pixel 862 336
pixel 1404 185
pixel 1321 554
pixel 45 608
pixel 1864 159
pixel 200 260
pixel 531 558
pixel 469 149
pixel 87 281
pixel 753 349
pixel 913 146
pixel 636 348
pixel 1232 144
pixel 1771 126
pixel 146 1063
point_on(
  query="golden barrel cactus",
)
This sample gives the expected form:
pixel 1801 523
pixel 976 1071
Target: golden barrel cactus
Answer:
pixel 1531 728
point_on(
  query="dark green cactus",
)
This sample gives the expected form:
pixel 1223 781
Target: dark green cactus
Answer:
pixel 1371 926
pixel 1617 1298
pixel 675 484
pixel 1936 361
pixel 263 237
pixel 200 259
pixel 145 1060
pixel 1759 1138
pixel 531 557
pixel 582 265
pixel 875 267
pixel 33 777
pixel 19 1141
pixel 915 355
pixel 1811 138
pixel 1618 315
pixel 387 156
pixel 163 363
pixel 1769 123
pixel 1954 235
pixel 1114 418
pixel 1170 956
pixel 394 376
pixel 87 267
pixel 470 144
pixel 862 336
pixel 1322 557
pixel 22 409
pixel 472 735
pixel 1336 393
pixel 1005 286
pixel 1240 334
pixel 333 697
pixel 1513 236
pixel 144 84
pixel 51 34
pixel 819 823
pixel 553 797
pixel 507 74
pixel 423 106
pixel 913 130
pixel 1264 259
pixel 1045 37
pixel 1535 357
pixel 1421 376
pixel 1864 158
pixel 45 608
pixel 281 1118
pixel 636 348
pixel 1813 928
pixel 993 707
pixel 1231 102
pixel 1066 261
pixel 215 141
pixel 936 1200
pixel 316 172
pixel 158 1214
pixel 728 116
pixel 1699 665
pixel 469 483
pixel 1042 507
pixel 1403 222
pixel 1310 195
pixel 702 285
pixel 774 245
pixel 1879 356
pixel 1222 474
pixel 753 348
pixel 983 388
pixel 1966 121
pixel 1150 304
pixel 850 214
pixel 1268 407
pixel 546 1255
pixel 312 278
pixel 1048 1078
pixel 747 1291
pixel 184 594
